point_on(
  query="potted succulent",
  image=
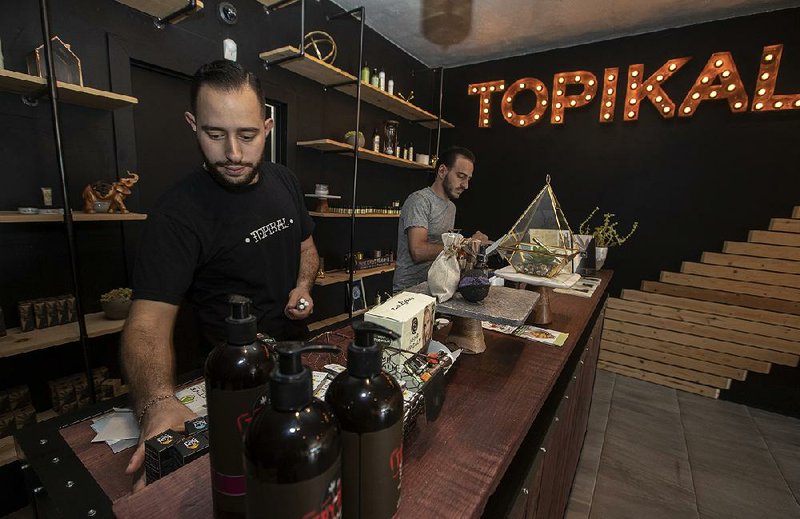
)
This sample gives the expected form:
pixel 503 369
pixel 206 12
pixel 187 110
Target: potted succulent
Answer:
pixel 116 303
pixel 350 138
pixel 605 235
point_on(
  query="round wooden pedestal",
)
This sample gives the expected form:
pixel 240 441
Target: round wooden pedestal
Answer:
pixel 466 334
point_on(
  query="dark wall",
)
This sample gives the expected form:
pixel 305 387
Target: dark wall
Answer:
pixel 691 183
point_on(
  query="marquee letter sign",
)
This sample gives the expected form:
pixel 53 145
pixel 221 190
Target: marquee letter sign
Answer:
pixel 765 98
pixel 561 101
pixel 532 117
pixel 719 80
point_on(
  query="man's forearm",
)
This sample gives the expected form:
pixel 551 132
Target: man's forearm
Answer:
pixel 149 364
pixel 426 251
pixel 309 265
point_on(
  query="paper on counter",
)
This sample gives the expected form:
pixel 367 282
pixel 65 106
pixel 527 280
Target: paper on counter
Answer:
pixel 120 426
pixel 531 333
pixel 194 397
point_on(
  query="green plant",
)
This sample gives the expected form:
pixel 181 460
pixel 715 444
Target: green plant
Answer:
pixel 118 294
pixel 605 235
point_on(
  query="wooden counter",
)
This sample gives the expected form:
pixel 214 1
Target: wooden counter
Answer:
pixel 513 398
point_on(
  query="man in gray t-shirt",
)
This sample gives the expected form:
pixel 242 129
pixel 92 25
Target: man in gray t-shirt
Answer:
pixel 428 213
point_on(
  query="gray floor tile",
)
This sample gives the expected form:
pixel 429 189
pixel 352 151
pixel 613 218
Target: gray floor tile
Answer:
pixel 782 436
pixel 734 473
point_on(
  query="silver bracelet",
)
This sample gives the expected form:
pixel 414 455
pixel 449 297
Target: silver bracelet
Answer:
pixel 150 404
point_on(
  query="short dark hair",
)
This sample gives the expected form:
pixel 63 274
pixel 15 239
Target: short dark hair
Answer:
pixel 225 75
pixel 451 154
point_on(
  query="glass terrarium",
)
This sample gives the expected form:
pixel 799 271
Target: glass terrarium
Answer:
pixel 540 242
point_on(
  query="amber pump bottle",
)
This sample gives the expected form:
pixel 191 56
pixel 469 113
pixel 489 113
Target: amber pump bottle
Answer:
pixel 237 373
pixel 369 405
pixel 292 449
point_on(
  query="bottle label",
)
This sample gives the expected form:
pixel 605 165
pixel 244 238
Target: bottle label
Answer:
pixel 229 414
pixel 372 471
pixel 317 498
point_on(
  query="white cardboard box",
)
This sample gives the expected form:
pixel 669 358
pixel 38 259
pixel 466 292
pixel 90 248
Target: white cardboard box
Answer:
pixel 409 315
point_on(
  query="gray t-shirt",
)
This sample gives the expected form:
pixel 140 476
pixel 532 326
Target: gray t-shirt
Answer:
pixel 422 208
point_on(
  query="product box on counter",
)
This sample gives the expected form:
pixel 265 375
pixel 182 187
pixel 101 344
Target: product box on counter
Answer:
pixel 409 315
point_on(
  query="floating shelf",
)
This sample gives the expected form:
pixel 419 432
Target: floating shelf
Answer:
pixel 341 215
pixel 162 8
pixel 340 276
pixel 366 154
pixel 333 320
pixel 17 342
pixel 78 216
pixel 328 75
pixel 25 84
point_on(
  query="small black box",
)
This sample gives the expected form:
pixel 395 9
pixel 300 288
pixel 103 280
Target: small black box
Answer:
pixel 191 448
pixel 159 455
pixel 197 425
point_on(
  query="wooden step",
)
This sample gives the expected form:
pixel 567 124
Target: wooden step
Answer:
pixel 728 365
pixel 670 370
pixel 659 379
pixel 739 274
pixel 747 345
pixel 790 335
pixel 750 262
pixel 784 225
pixel 774 238
pixel 709 307
pixel 673 359
pixel 728 285
pixel 705 343
pixel 722 297
pixel 761 251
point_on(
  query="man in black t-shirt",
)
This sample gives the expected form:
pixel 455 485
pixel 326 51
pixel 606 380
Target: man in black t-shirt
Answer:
pixel 234 226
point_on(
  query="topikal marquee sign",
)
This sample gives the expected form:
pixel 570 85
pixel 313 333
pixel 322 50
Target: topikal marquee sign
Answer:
pixel 719 80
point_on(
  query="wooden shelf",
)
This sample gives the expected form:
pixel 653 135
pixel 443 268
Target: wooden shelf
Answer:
pixel 340 276
pixel 17 342
pixel 342 215
pixel 78 216
pixel 333 320
pixel 364 153
pixel 162 8
pixel 327 75
pixel 25 84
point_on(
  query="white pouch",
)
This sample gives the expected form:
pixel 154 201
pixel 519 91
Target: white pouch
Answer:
pixel 444 274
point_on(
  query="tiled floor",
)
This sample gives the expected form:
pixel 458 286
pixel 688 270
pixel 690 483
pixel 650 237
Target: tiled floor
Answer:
pixel 654 452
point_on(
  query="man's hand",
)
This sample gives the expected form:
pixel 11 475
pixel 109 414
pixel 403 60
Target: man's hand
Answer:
pixel 169 414
pixel 480 237
pixel 291 310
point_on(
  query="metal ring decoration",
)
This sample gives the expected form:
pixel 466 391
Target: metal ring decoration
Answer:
pixel 316 39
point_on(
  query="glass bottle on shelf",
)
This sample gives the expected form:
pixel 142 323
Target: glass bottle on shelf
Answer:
pixel 374 80
pixel 365 73
pixel 376 141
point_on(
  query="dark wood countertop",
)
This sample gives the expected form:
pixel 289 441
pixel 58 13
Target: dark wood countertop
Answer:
pixel 451 466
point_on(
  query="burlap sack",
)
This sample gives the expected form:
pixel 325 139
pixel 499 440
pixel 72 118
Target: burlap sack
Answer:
pixel 444 274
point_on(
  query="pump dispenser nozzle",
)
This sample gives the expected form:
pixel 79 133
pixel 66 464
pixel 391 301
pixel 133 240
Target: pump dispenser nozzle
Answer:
pixel 241 324
pixel 290 383
pixel 363 355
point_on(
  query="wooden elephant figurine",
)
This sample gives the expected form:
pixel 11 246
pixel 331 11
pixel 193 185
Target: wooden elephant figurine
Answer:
pixel 112 192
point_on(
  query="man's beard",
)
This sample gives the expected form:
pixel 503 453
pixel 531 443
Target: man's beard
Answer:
pixel 449 190
pixel 222 180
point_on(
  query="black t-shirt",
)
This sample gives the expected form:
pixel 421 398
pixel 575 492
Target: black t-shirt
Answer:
pixel 206 242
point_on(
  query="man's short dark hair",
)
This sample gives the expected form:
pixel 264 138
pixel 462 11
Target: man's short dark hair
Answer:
pixel 451 154
pixel 225 75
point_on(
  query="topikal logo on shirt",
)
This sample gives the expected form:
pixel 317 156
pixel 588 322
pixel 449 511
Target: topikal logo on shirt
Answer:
pixel 265 231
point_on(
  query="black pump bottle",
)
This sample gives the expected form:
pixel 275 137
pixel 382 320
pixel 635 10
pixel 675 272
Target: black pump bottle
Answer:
pixel 369 405
pixel 237 374
pixel 292 449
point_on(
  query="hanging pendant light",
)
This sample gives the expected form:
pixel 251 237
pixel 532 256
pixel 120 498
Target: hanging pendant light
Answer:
pixel 446 22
